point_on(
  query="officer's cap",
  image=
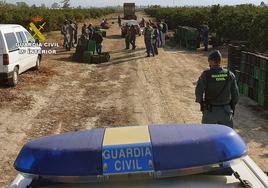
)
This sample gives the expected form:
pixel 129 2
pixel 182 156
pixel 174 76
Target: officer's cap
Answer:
pixel 215 56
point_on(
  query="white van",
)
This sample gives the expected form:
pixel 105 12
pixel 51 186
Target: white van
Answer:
pixel 14 57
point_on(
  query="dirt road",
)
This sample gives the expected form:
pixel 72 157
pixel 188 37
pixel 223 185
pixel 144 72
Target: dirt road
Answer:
pixel 129 90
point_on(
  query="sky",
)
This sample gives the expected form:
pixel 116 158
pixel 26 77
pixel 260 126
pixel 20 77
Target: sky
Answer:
pixel 103 3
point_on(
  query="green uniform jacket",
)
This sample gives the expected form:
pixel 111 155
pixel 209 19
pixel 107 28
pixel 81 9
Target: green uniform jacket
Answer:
pixel 217 86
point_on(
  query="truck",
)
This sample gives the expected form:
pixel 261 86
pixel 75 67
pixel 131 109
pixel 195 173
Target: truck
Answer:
pixel 129 11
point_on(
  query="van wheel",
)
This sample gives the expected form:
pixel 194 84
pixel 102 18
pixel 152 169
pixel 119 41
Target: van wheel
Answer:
pixel 38 64
pixel 13 81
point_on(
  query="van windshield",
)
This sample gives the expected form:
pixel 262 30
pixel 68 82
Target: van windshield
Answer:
pixel 11 42
pixel 29 37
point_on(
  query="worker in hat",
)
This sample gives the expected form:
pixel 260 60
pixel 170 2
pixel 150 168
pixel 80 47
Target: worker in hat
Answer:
pixel 64 32
pixel 97 36
pixel 217 92
pixel 205 33
pixel 148 39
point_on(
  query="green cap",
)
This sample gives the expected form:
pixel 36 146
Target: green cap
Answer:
pixel 215 56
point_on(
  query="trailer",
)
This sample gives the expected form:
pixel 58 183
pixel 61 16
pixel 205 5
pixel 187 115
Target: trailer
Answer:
pixel 129 11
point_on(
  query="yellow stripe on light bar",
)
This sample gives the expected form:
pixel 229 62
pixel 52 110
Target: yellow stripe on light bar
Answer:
pixel 126 135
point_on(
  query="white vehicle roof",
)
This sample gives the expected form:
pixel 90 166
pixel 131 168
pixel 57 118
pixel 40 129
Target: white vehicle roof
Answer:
pixel 130 22
pixel 4 26
pixel 247 169
pixel 7 28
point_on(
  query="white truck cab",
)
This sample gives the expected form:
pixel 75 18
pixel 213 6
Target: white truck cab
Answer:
pixel 16 52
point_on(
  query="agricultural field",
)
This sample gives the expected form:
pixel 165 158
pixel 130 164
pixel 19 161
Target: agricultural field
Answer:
pixel 129 90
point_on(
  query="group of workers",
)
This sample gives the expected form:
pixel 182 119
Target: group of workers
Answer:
pixel 154 36
pixel 90 32
pixel 216 91
pixel 69 32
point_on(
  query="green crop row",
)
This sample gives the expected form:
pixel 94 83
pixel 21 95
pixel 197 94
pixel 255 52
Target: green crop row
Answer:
pixel 240 23
pixel 10 14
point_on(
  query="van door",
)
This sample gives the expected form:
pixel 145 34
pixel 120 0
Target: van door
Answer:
pixel 13 52
pixel 1 52
pixel 31 57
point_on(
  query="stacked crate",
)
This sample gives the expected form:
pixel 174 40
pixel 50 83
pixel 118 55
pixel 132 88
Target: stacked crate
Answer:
pixel 234 57
pixel 253 77
pixel 187 37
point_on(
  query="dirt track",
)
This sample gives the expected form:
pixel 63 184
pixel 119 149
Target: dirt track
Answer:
pixel 129 90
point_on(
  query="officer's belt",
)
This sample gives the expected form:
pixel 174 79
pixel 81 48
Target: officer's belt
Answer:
pixel 221 105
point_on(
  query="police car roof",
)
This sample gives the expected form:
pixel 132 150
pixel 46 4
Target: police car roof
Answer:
pixel 247 170
pixel 173 147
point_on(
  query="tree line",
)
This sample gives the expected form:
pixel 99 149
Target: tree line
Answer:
pixel 23 14
pixel 247 23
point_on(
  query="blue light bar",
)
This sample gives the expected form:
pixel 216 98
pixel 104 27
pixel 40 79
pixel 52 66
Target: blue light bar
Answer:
pixel 177 147
pixel 70 154
pixel 170 147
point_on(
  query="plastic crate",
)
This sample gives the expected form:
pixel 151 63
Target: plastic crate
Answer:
pixel 191 44
pixel 251 70
pixel 245 89
pixel 251 82
pixel 255 94
pixel 87 56
pixel 244 57
pixel 257 73
pixel 242 68
pixel 263 75
pixel 100 58
pixel 250 92
pixel 253 59
pixel 261 99
pixel 91 46
pixel 266 102
pixel 247 68
pixel 240 87
pixel 263 64
pixel 261 86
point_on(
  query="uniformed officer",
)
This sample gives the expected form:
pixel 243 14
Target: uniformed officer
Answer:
pixel 217 92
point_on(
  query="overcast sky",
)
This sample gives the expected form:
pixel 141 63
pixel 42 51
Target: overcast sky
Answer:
pixel 101 3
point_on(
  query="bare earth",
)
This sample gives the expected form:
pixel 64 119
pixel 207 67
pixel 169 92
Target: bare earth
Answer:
pixel 129 90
